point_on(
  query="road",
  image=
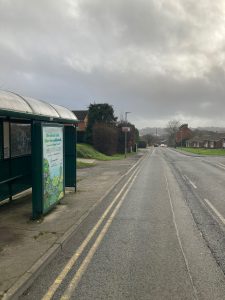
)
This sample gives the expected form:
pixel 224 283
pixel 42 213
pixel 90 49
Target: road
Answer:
pixel 159 235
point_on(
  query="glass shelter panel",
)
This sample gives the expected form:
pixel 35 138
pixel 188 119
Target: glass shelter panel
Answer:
pixel 6 141
pixel 20 139
pixel 10 101
pixel 64 113
pixel 1 140
pixel 41 108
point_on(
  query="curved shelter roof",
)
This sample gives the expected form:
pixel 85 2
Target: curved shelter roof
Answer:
pixel 12 104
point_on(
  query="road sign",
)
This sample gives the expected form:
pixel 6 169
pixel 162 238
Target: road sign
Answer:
pixel 126 129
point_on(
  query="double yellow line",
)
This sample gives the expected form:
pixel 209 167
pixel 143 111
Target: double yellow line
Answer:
pixel 75 280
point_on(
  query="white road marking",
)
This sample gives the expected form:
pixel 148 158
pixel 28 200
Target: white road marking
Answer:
pixel 179 239
pixel 215 211
pixel 52 289
pixel 83 267
pixel 221 166
pixel 81 248
pixel 191 182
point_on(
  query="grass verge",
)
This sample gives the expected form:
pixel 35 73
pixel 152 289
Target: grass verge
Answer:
pixel 202 151
pixel 87 151
pixel 81 164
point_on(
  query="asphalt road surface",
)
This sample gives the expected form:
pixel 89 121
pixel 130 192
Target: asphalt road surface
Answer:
pixel 159 235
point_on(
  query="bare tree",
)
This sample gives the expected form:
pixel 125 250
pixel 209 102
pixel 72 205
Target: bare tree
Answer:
pixel 150 139
pixel 172 129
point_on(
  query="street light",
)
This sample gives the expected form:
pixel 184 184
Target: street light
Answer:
pixel 125 150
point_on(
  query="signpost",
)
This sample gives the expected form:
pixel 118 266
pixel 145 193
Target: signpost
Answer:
pixel 125 130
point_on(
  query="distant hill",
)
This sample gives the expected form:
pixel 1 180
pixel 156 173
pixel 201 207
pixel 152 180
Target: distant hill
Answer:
pixel 162 131
pixel 152 130
pixel 213 129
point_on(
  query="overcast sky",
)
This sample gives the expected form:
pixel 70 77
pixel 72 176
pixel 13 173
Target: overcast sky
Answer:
pixel 159 59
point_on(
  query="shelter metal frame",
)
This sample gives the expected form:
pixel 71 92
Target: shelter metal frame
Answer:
pixel 13 175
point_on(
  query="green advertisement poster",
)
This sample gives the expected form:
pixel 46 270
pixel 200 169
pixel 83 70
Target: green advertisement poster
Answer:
pixel 53 166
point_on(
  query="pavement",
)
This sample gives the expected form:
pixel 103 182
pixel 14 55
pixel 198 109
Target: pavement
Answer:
pixel 27 246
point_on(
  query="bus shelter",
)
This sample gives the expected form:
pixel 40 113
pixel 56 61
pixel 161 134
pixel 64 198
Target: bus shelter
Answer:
pixel 37 150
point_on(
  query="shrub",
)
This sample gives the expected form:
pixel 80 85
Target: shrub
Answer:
pixel 132 137
pixel 105 138
pixel 80 136
pixel 142 144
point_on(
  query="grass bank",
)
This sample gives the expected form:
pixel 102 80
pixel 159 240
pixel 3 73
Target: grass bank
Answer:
pixel 201 151
pixel 82 164
pixel 87 151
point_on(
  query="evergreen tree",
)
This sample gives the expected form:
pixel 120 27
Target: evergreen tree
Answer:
pixel 98 113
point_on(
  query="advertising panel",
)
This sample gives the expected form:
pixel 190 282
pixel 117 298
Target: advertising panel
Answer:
pixel 53 165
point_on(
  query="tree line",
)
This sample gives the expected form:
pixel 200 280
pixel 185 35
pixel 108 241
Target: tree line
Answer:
pixel 169 137
pixel 104 131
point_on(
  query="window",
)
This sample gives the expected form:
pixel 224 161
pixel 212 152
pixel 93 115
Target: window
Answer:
pixel 1 139
pixel 20 139
pixel 6 144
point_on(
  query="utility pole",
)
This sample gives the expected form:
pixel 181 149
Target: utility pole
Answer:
pixel 125 133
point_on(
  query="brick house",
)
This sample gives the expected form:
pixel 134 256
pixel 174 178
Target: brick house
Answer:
pixel 215 144
pixel 223 143
pixel 195 143
pixel 183 135
pixel 82 116
pixel 208 143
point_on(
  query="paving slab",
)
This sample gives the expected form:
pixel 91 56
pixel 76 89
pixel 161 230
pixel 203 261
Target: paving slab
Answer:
pixel 23 242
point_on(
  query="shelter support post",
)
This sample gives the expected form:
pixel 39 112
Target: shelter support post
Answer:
pixel 70 156
pixel 37 187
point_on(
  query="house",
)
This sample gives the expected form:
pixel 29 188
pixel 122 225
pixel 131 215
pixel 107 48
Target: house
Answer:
pixel 211 143
pixel 214 143
pixel 206 139
pixel 217 144
pixel 222 141
pixel 82 116
pixel 195 143
pixel 183 135
pixel 206 144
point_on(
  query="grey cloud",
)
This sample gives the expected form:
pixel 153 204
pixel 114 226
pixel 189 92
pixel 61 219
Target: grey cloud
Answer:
pixel 159 59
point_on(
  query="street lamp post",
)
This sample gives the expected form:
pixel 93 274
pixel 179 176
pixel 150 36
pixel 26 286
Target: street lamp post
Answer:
pixel 125 133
